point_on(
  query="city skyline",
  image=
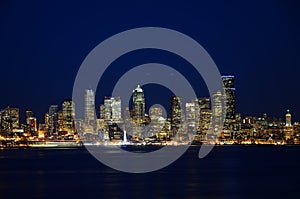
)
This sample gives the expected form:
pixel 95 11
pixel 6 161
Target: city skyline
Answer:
pixel 95 112
pixel 199 119
pixel 124 99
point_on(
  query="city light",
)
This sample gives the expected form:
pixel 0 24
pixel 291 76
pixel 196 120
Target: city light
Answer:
pixel 186 123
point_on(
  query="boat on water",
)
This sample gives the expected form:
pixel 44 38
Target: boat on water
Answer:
pixel 55 144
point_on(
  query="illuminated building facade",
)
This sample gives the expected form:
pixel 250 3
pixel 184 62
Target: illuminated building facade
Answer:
pixel 9 120
pixel 176 114
pixel 128 122
pixel 288 118
pixel 228 82
pixel 155 113
pixel 101 111
pixel 288 129
pixel 204 103
pixel 31 122
pixel 138 105
pixel 204 122
pixel 53 120
pixel 217 111
pixel 89 107
pixel 68 115
pixel 60 122
pixel 116 109
pixel 107 110
pixel 42 131
pixel 157 122
pixel 111 110
pixel 110 117
pixel 192 116
pixel 28 114
pixel 46 118
pixel 138 114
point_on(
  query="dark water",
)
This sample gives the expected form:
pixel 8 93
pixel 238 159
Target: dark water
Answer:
pixel 228 172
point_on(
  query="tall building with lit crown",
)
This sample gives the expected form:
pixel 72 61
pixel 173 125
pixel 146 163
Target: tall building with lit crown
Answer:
pixel 176 114
pixel 68 114
pixel 89 107
pixel 138 114
pixel 138 105
pixel 228 82
pixel 288 129
pixel 288 118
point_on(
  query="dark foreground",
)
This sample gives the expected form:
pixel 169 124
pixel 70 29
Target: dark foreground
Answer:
pixel 228 172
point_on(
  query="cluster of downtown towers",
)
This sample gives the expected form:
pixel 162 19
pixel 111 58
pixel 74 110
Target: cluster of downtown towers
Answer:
pixel 190 121
pixel 183 122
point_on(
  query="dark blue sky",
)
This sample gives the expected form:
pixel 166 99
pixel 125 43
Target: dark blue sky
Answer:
pixel 43 43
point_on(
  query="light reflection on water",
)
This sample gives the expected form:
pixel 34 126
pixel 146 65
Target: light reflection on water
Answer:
pixel 228 172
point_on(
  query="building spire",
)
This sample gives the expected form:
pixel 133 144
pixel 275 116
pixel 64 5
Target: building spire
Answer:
pixel 288 118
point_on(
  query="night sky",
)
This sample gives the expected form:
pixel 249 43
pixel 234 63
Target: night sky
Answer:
pixel 43 43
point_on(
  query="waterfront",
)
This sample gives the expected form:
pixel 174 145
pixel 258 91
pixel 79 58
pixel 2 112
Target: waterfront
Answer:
pixel 227 172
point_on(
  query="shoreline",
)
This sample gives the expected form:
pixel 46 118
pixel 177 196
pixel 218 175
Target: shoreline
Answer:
pixel 82 145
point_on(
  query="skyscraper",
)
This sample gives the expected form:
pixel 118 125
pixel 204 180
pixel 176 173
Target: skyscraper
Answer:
pixel 31 122
pixel 192 116
pixel 157 121
pixel 53 120
pixel 46 117
pixel 217 112
pixel 28 114
pixel 176 114
pixel 138 104
pixel 204 122
pixel 128 123
pixel 9 120
pixel 89 107
pixel 116 109
pixel 68 113
pixel 60 122
pixel 228 82
pixel 190 112
pixel 101 111
pixel 30 125
pixel 203 104
pixel 288 118
pixel 107 110
pixel 288 129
